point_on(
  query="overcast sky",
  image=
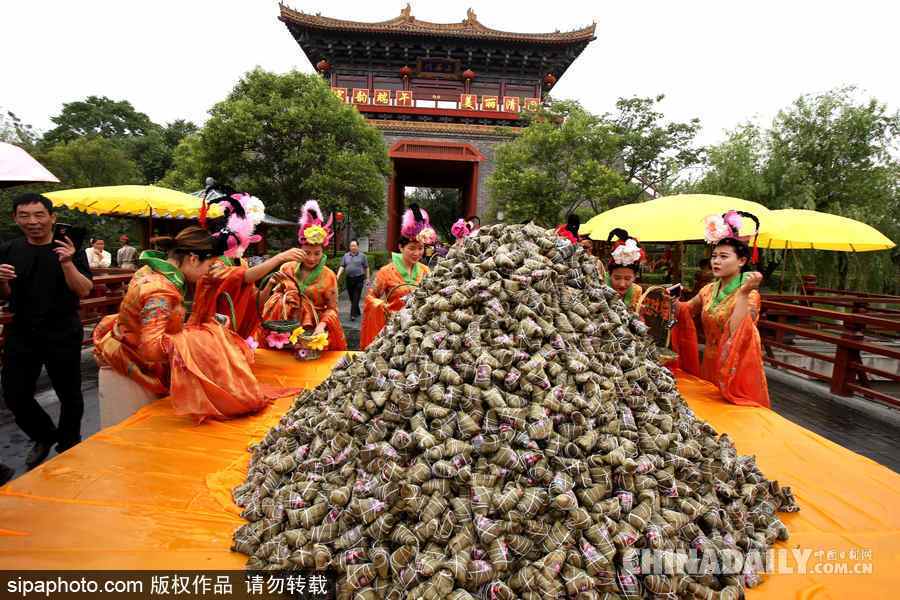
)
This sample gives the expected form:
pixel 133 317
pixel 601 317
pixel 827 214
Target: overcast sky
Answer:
pixel 720 60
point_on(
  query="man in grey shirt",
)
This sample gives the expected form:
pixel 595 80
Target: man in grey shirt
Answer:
pixel 357 266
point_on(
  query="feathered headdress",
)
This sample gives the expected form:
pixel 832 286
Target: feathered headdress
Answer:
pixel 313 228
pixel 243 213
pixel 464 227
pixel 204 205
pixel 625 252
pixel 416 226
pixel 728 225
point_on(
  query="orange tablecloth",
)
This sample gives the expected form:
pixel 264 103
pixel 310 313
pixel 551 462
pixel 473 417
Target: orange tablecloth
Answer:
pixel 149 493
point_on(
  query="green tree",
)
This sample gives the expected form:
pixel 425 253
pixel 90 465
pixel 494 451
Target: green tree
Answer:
pixel 14 131
pixel 834 153
pixel 149 151
pixel 654 153
pixel 97 115
pixel 831 152
pixel 148 144
pixel 286 138
pixel 91 161
pixel 187 172
pixel 568 159
pixel 736 167
pixel 177 130
pixel 562 160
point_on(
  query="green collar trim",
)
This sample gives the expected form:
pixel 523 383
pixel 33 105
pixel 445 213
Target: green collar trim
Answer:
pixel 410 278
pixel 313 275
pixel 628 296
pixel 156 260
pixel 720 294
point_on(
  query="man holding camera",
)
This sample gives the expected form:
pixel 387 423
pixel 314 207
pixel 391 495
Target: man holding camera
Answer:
pixel 44 279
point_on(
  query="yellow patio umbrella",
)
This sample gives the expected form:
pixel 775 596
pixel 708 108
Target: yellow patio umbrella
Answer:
pixel 131 201
pixel 797 229
pixel 677 218
pixel 630 217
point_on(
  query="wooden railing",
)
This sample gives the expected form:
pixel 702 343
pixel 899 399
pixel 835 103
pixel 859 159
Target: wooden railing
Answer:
pixel 852 328
pixel 104 299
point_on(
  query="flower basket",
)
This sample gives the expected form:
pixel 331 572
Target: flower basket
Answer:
pixel 659 316
pixel 288 334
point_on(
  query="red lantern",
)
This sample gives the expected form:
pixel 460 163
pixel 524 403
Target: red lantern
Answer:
pixel 468 74
pixel 339 217
pixel 405 71
pixel 549 79
pixel 323 66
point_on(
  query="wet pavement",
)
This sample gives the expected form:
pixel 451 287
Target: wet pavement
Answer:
pixel 872 433
pixel 875 434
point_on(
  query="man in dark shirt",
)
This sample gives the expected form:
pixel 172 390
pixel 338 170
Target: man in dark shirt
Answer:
pixel 44 281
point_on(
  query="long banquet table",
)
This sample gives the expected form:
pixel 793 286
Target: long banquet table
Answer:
pixel 153 493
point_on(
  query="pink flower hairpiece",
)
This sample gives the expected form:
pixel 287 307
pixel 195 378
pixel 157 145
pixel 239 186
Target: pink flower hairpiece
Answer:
pixel 628 253
pixel 243 213
pixel 416 225
pixel 719 227
pixel 314 229
pixel 427 236
pixel 716 229
pixel 461 229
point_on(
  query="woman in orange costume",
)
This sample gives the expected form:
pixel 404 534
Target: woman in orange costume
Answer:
pixel 397 279
pixel 227 289
pixel 309 277
pixel 729 310
pixel 624 267
pixel 205 366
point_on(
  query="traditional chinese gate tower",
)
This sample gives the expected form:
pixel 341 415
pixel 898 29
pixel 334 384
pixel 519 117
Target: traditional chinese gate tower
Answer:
pixel 443 94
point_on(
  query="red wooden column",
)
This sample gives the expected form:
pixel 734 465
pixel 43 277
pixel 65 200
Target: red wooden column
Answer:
pixel 472 199
pixel 393 215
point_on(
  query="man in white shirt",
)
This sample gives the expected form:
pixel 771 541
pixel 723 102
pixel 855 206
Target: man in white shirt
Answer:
pixel 98 258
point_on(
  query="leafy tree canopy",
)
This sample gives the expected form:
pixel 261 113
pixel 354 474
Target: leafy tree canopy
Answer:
pixel 287 139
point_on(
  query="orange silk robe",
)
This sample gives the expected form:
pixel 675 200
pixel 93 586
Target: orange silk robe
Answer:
pixel 209 299
pixel 204 366
pixel 732 360
pixel 375 315
pixel 133 342
pixel 285 304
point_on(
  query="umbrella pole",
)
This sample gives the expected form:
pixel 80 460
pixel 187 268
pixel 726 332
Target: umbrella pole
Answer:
pixel 856 260
pixel 677 262
pixel 798 268
pixel 784 255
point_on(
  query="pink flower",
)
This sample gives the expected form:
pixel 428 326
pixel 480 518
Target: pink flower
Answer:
pixel 733 218
pixel 277 339
pixel 427 236
pixel 716 229
pixel 460 229
pixel 251 342
pixel 627 253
